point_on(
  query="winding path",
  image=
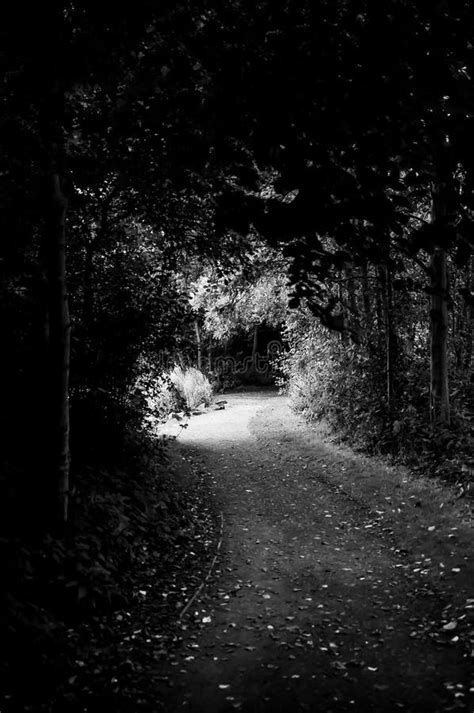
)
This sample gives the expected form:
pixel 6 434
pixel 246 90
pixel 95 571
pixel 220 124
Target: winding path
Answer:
pixel 314 605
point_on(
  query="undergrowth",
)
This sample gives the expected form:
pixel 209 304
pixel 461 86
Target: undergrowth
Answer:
pixel 132 522
pixel 340 385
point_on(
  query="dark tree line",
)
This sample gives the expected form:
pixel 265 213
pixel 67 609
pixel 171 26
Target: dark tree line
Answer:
pixel 341 133
pixel 98 205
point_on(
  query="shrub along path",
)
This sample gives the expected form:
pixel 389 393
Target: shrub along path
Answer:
pixel 340 584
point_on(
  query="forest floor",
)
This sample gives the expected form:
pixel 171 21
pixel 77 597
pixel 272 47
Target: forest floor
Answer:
pixel 339 583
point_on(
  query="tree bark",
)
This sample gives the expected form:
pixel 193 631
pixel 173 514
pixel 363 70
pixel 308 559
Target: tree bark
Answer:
pixel 209 356
pixel 442 201
pixel 389 334
pixel 469 314
pixel 58 347
pixel 366 297
pixel 255 348
pixel 439 391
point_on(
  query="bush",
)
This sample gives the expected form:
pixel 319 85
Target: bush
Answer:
pixel 192 385
pixel 153 394
pixel 343 385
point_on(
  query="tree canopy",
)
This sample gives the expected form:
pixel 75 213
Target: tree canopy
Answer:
pixel 182 183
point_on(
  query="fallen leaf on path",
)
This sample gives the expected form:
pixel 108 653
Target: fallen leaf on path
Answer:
pixel 450 626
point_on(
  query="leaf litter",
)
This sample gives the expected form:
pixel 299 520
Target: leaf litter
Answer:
pixel 377 595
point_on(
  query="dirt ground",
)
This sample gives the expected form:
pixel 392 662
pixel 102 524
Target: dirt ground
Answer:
pixel 339 584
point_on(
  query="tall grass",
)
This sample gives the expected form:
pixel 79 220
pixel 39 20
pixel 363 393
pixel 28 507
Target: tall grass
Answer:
pixel 192 385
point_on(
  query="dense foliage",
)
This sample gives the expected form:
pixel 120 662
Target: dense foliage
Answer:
pixel 168 172
pixel 375 392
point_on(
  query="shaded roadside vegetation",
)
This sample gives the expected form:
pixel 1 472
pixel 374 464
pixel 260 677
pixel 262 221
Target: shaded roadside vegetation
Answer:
pixel 374 393
pixel 181 184
pixel 89 613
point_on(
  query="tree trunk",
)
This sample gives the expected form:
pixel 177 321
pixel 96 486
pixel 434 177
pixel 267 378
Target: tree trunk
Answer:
pixel 469 320
pixel 389 334
pixel 439 392
pixel 255 348
pixel 379 303
pixel 439 289
pixel 366 297
pixel 209 356
pixel 58 347
pixel 198 344
pixel 367 300
pixel 442 201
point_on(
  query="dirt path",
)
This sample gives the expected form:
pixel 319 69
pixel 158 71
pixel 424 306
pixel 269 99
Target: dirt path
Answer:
pixel 327 594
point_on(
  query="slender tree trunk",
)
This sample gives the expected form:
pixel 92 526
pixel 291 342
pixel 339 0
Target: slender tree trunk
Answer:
pixel 209 356
pixel 379 302
pixel 469 315
pixel 366 298
pixel 255 348
pixel 52 128
pixel 197 330
pixel 439 289
pixel 439 392
pixel 389 334
pixel 58 347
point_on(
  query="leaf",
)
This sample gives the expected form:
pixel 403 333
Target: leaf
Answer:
pixel 450 626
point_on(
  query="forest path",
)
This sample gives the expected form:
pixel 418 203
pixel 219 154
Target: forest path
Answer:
pixel 319 601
